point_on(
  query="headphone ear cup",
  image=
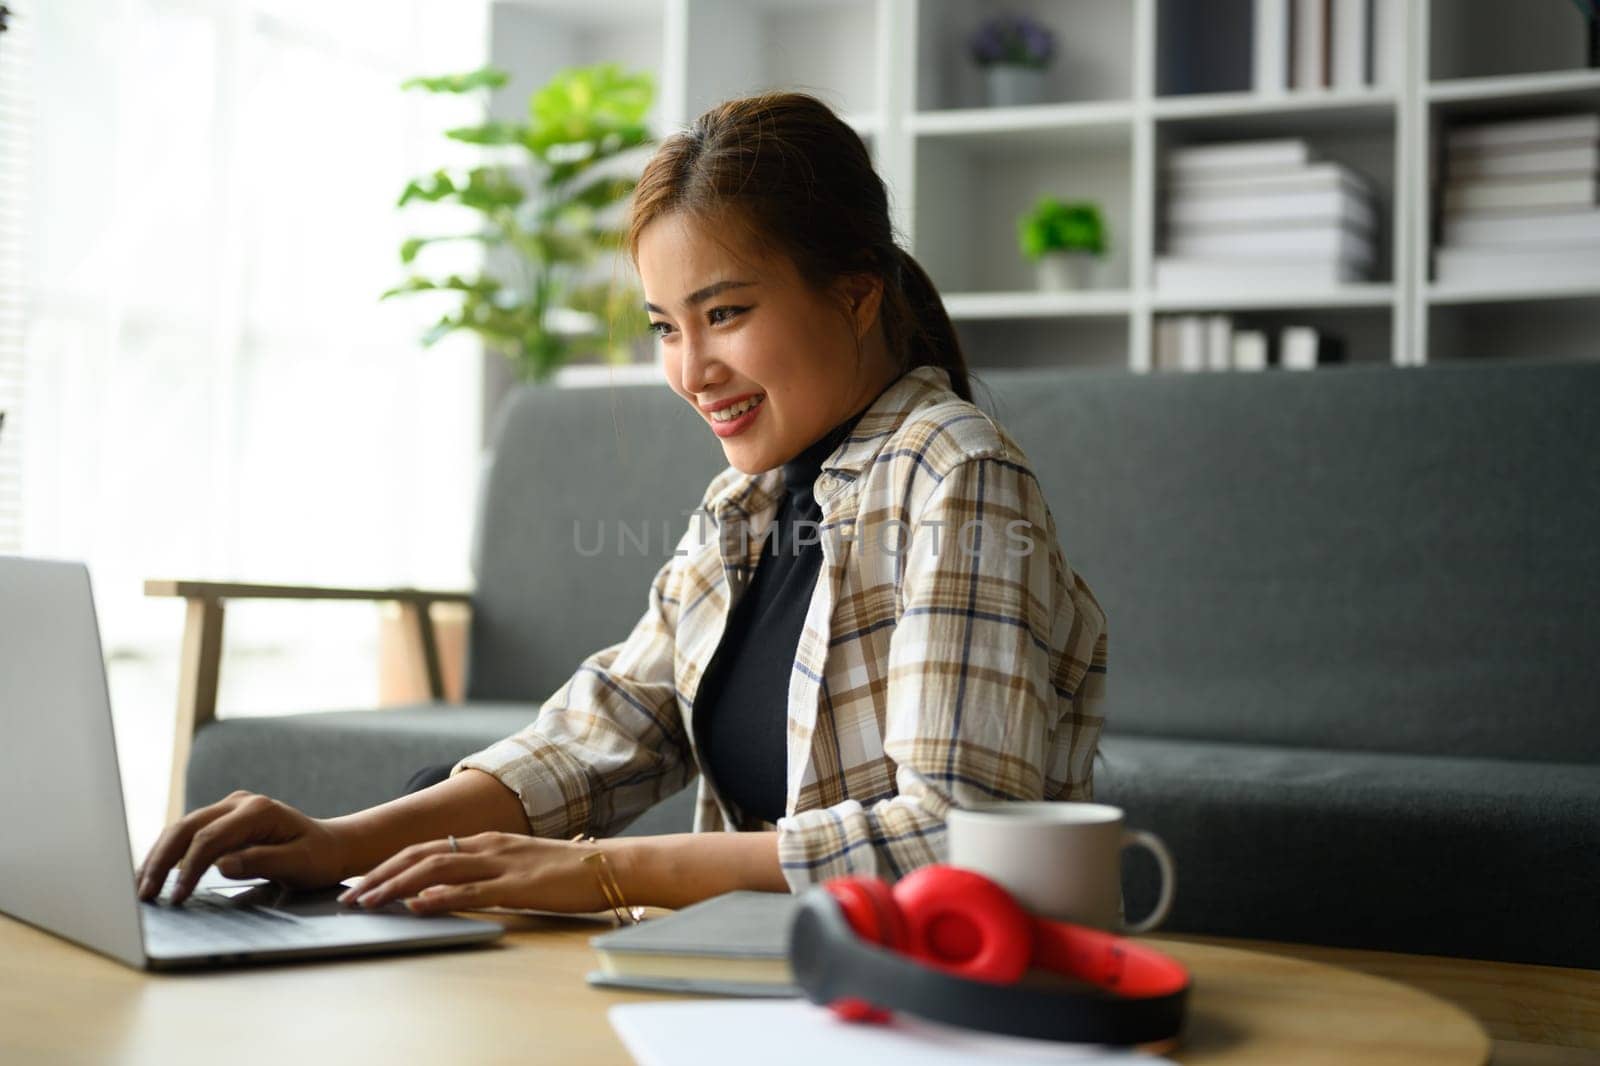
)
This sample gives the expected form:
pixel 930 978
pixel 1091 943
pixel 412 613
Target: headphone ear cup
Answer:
pixel 961 922
pixel 869 907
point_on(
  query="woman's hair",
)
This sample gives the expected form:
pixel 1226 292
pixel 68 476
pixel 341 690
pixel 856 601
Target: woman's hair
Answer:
pixel 797 180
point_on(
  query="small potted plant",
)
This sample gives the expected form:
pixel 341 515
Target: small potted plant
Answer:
pixel 1014 52
pixel 1064 239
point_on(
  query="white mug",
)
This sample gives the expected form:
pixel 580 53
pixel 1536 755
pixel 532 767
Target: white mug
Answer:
pixel 1060 860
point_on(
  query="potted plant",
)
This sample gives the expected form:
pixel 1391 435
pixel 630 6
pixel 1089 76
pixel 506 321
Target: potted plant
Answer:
pixel 1014 52
pixel 540 221
pixel 1064 239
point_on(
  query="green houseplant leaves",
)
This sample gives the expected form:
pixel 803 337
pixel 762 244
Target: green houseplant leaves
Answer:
pixel 543 217
pixel 1054 226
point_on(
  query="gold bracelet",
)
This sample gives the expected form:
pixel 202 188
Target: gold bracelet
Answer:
pixel 609 888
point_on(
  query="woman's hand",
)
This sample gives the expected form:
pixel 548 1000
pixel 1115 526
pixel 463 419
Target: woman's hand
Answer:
pixel 246 835
pixel 489 870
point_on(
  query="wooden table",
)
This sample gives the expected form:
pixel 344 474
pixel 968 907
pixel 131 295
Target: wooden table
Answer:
pixel 523 1000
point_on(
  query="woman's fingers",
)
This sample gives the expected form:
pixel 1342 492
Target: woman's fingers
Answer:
pixel 471 895
pixel 174 841
pixel 403 859
pixel 446 868
pixel 251 821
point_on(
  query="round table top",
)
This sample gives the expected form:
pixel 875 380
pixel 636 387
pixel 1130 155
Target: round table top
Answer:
pixel 524 1000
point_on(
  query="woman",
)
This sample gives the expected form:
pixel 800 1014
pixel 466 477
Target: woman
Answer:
pixel 869 621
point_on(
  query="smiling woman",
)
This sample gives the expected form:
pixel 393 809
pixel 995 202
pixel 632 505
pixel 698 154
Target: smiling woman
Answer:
pixel 867 622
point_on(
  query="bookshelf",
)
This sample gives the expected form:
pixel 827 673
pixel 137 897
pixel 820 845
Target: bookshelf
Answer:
pixel 1133 80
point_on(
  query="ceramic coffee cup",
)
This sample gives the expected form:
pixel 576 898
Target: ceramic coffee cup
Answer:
pixel 1060 860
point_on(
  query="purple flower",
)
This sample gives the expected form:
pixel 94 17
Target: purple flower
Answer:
pixel 1008 38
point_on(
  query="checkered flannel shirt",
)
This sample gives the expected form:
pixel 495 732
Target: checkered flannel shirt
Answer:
pixel 949 656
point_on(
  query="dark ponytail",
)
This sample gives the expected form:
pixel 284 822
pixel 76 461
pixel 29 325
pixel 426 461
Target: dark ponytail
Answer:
pixel 799 180
pixel 916 326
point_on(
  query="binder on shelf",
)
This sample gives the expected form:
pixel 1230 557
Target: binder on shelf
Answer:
pixel 1352 44
pixel 1309 28
pixel 1388 43
pixel 1271 52
pixel 1219 342
pixel 1191 343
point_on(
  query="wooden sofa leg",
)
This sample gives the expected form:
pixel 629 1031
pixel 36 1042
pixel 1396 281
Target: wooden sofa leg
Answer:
pixel 418 618
pixel 197 689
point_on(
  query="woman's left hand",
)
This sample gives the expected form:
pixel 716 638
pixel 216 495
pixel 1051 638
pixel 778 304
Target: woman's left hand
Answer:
pixel 489 870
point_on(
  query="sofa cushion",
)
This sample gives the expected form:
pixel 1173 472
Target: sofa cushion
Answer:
pixel 334 762
pixel 1369 558
pixel 1475 858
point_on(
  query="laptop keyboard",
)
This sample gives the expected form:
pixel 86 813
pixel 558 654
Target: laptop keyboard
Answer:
pixel 207 919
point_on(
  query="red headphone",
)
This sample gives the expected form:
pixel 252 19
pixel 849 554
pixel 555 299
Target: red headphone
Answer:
pixel 950 944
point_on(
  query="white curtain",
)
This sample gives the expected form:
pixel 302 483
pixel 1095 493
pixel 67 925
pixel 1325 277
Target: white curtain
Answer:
pixel 211 386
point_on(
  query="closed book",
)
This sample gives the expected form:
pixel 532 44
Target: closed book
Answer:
pixel 1352 44
pixel 1166 357
pixel 1174 274
pixel 1229 158
pixel 1542 157
pixel 1562 190
pixel 1388 42
pixel 1271 54
pixel 1310 177
pixel 1336 206
pixel 1523 229
pixel 1517 268
pixel 1219 342
pixel 1581 126
pixel 1249 350
pixel 733 944
pixel 1192 343
pixel 1275 242
pixel 1309 29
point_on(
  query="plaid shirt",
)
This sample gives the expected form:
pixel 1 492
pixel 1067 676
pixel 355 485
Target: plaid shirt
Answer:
pixel 939 664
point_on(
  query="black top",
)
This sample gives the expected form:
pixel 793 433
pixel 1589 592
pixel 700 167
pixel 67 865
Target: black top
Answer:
pixel 741 707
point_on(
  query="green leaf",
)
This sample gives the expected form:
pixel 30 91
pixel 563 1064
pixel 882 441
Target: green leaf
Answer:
pixel 430 189
pixel 489 133
pixel 482 78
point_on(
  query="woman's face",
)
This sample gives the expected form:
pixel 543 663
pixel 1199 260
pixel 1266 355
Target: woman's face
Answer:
pixel 742 329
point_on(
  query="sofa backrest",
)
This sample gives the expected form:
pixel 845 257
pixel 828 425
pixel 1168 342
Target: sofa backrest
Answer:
pixel 1365 558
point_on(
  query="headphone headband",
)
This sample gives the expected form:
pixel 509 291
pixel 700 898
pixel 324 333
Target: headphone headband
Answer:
pixel 831 962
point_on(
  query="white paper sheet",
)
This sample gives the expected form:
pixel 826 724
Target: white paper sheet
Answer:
pixel 732 1032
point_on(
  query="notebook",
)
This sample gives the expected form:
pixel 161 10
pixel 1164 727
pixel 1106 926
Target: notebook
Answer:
pixel 736 944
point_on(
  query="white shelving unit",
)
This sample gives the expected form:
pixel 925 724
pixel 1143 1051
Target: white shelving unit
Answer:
pixel 1132 79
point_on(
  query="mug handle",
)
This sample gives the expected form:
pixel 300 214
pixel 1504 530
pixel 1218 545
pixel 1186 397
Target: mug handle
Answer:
pixel 1169 879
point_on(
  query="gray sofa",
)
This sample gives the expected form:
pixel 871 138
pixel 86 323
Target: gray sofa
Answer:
pixel 1354 628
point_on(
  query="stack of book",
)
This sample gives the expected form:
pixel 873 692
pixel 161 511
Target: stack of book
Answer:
pixel 1327 44
pixel 1210 342
pixel 1520 203
pixel 1264 214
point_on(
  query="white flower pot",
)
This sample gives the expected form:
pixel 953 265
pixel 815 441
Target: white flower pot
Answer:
pixel 1066 270
pixel 1013 85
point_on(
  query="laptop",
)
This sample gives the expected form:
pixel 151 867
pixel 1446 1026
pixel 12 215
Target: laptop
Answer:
pixel 66 865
